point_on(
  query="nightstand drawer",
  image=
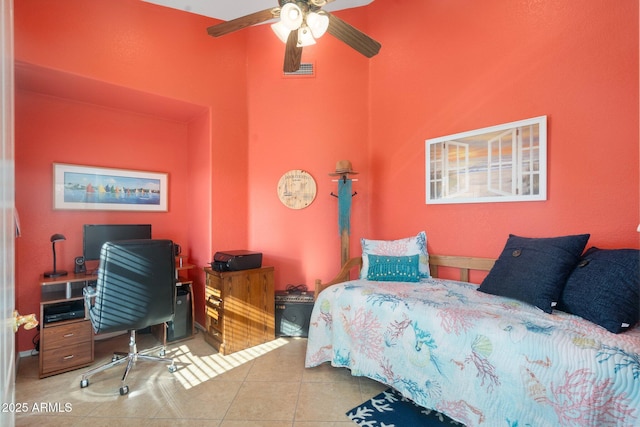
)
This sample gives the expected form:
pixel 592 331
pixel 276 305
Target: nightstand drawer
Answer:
pixel 213 289
pixel 214 319
pixel 66 358
pixel 214 338
pixel 67 335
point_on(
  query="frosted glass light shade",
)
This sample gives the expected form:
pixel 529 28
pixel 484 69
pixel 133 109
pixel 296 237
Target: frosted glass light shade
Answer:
pixel 281 31
pixel 305 38
pixel 318 22
pixel 291 16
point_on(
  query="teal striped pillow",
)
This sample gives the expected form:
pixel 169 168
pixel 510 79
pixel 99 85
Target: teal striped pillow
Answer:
pixel 394 268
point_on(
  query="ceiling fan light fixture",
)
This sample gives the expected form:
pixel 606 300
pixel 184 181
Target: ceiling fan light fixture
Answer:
pixel 300 23
pixel 305 38
pixel 291 16
pixel 281 31
pixel 318 22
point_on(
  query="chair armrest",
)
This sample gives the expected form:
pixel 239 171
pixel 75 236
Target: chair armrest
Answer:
pixel 89 293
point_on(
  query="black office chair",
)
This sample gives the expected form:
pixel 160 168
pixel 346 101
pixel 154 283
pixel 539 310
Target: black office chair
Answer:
pixel 136 288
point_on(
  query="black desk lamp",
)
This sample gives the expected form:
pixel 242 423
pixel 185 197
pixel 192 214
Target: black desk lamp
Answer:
pixel 55 273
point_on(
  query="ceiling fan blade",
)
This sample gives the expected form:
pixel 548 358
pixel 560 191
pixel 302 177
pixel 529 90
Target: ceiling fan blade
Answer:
pixel 292 53
pixel 243 22
pixel 352 36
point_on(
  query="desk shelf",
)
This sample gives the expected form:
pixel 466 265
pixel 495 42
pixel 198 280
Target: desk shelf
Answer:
pixel 63 288
pixel 53 296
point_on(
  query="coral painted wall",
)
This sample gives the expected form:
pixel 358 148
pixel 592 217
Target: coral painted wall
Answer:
pixel 225 124
pixel 444 68
pixel 479 64
pixel 84 134
pixel 127 84
pixel 309 124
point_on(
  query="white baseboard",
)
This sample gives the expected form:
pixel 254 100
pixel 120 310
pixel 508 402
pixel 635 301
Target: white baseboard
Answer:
pixel 28 353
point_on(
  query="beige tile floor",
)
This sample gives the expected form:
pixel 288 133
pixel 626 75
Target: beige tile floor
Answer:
pixel 266 385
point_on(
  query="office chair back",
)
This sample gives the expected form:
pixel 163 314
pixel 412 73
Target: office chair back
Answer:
pixel 136 285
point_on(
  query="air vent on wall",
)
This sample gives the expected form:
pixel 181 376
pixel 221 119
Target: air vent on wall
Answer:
pixel 306 70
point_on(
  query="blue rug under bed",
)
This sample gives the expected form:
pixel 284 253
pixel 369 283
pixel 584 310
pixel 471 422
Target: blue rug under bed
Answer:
pixel 390 409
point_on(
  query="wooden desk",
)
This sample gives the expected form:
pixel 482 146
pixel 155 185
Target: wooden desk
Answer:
pixel 65 344
pixel 68 344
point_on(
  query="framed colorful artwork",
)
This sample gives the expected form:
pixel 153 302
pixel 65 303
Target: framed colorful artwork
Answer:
pixel 98 188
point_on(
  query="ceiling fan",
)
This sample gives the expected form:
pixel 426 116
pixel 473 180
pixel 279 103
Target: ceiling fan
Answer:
pixel 301 23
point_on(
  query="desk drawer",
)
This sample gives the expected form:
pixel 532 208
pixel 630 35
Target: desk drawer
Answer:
pixel 66 358
pixel 67 335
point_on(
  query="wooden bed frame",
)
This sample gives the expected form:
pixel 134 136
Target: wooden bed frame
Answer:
pixel 464 264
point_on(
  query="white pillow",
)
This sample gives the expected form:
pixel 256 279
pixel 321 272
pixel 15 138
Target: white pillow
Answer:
pixel 402 247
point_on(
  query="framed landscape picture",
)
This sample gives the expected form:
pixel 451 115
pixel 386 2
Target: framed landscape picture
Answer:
pixel 503 163
pixel 97 188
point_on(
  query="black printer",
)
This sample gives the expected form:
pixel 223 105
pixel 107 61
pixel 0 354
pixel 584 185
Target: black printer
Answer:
pixel 236 260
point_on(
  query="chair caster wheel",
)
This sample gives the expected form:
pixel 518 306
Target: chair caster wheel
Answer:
pixel 162 353
pixel 114 358
pixel 124 390
pixel 84 383
pixel 172 368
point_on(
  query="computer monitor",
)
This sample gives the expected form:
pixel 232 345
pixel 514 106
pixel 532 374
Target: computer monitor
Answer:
pixel 95 235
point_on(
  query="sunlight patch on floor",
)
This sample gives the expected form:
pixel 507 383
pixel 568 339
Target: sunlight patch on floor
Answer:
pixel 194 370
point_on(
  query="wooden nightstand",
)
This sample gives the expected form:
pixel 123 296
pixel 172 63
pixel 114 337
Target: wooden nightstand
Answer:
pixel 239 308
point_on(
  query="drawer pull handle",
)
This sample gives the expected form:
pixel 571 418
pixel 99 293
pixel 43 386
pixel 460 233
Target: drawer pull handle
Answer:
pixel 68 357
pixel 69 335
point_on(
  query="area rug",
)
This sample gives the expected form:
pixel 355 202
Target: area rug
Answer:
pixel 390 409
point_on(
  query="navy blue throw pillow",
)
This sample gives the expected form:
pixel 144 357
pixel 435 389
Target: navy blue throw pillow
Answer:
pixel 605 288
pixel 535 270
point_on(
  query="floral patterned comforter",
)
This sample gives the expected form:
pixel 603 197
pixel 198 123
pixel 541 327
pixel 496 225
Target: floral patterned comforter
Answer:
pixel 481 359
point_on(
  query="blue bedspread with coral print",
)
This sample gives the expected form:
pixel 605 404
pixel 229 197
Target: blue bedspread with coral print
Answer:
pixel 481 359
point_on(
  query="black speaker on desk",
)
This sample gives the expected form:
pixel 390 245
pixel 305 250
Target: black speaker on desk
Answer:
pixel 293 312
pixel 180 327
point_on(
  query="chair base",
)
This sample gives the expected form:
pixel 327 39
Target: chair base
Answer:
pixel 130 358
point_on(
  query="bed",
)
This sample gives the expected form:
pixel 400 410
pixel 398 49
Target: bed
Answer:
pixel 482 359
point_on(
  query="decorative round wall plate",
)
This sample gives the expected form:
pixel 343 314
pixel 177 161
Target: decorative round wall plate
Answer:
pixel 296 189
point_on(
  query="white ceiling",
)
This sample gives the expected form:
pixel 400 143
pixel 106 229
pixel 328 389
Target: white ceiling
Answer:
pixel 230 9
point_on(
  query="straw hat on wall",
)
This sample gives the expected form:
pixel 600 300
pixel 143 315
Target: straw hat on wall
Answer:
pixel 343 167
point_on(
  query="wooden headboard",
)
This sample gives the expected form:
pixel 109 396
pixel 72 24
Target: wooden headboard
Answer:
pixel 464 264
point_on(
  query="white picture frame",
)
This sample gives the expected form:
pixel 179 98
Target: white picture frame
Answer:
pixel 502 163
pixel 99 188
